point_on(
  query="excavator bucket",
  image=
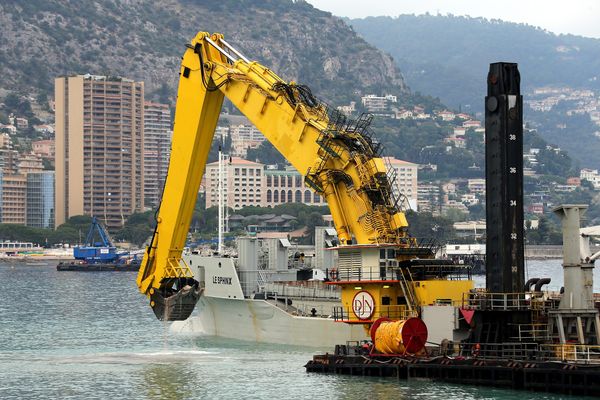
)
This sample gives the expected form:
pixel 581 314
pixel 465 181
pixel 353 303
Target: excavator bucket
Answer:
pixel 176 299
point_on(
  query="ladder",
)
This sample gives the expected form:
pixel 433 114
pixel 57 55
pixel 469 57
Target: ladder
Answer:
pixel 408 289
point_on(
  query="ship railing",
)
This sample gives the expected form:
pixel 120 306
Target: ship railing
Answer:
pixel 352 274
pixel 303 310
pixel 576 353
pixel 536 331
pixel 497 301
pixel 527 351
pixel 283 303
pixel 396 312
pixel 512 351
pixel 315 310
pixel 304 292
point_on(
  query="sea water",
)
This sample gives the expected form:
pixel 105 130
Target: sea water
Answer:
pixel 93 336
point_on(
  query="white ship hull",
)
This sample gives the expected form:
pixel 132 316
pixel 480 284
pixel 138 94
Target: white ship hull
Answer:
pixel 261 321
pixel 224 311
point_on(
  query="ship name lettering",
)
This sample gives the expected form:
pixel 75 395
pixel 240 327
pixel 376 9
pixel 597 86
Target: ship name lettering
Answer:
pixel 221 280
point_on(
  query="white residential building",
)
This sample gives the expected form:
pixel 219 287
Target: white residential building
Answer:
pixel 446 115
pixel 476 186
pixel 244 183
pixel 288 186
pixel 378 104
pixel 590 175
pixel 244 137
pixel 406 180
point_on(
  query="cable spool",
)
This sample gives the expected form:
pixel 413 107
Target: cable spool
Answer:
pixel 400 336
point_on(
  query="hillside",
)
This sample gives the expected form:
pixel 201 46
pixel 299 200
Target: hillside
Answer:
pixel 144 40
pixel 449 56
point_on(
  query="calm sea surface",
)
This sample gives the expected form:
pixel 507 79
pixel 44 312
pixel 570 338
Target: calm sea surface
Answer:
pixel 92 335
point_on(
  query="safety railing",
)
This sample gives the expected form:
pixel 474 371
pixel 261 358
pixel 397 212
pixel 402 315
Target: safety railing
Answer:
pixel 361 274
pixel 512 351
pixel 526 351
pixel 496 301
pixel 304 292
pixel 537 332
pixel 482 300
pixel 395 312
pixel 580 353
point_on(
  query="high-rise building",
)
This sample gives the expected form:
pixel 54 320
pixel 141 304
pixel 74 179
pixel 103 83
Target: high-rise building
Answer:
pixel 406 184
pixel 14 189
pixel 40 199
pixel 157 148
pixel 99 148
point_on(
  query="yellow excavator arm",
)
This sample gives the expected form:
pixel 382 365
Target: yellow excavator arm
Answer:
pixel 338 157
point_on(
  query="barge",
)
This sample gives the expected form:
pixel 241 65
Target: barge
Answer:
pixel 510 334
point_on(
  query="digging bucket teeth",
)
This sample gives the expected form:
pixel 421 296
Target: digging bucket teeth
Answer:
pixel 176 299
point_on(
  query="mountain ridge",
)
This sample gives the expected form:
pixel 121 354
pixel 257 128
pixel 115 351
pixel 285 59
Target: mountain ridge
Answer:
pixel 448 57
pixel 144 40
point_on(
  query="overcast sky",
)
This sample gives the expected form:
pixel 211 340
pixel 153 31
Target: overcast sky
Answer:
pixel 579 17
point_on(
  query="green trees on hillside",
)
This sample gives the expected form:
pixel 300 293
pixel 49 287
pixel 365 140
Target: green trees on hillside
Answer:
pixel 71 232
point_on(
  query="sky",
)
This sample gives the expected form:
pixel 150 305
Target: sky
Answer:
pixel 578 17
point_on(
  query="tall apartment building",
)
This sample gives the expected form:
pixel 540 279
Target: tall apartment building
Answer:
pixel 244 183
pixel 99 148
pixel 40 199
pixel 14 196
pixel 406 181
pixel 157 149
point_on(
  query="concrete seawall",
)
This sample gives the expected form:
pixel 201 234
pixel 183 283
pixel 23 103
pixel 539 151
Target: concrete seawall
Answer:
pixel 548 251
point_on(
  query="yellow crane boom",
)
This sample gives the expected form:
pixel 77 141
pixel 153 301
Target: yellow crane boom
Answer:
pixel 337 156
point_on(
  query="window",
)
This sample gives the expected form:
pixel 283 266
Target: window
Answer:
pixel 275 196
pixel 269 180
pixel 269 196
pixel 289 181
pixel 316 198
pixel 283 196
pixel 307 196
pixel 298 196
